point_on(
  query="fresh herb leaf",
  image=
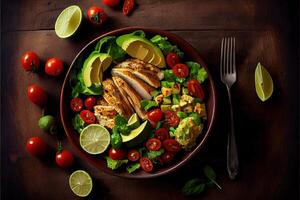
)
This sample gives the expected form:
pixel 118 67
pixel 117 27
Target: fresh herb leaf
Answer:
pixel 169 75
pixel 211 175
pixel 196 71
pixel 119 120
pixel 154 154
pixel 116 139
pixel 124 129
pixel 114 164
pixel 142 151
pixel 193 187
pixel 147 104
pixel 202 75
pixel 78 123
pixel 196 117
pixel 131 168
pixel 167 84
pixel 181 115
pixel 166 46
pixel 155 93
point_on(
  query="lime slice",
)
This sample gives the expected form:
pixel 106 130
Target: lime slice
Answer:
pixel 81 183
pixel 94 139
pixel 133 121
pixel 68 21
pixel 263 83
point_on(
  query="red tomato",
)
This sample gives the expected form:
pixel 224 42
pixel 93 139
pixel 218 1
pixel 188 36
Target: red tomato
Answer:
pixel 36 146
pixel 195 88
pixel 90 102
pixel 111 3
pixel 76 104
pixel 172 59
pixel 96 16
pixel 87 116
pixel 167 157
pixel 171 118
pixel 30 61
pixel 153 144
pixel 146 164
pixel 64 159
pixel 155 115
pixel 128 6
pixel 53 67
pixel 162 134
pixel 171 145
pixel 133 155
pixel 181 70
pixel 37 95
pixel 117 154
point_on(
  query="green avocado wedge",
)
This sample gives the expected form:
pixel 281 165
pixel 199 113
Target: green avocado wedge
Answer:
pixel 141 48
pixel 137 135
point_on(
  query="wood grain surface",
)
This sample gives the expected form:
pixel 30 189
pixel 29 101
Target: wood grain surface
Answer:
pixel 267 133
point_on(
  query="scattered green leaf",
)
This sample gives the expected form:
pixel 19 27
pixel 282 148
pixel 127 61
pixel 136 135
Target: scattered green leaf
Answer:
pixel 193 187
pixel 131 168
pixel 114 164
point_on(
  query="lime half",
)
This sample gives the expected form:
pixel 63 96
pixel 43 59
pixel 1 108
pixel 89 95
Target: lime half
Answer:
pixel 133 121
pixel 94 139
pixel 263 83
pixel 81 183
pixel 68 21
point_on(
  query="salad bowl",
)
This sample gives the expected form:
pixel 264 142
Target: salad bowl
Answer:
pixel 96 160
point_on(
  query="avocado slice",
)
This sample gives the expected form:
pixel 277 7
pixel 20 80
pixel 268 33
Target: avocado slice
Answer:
pixel 141 48
pixel 137 135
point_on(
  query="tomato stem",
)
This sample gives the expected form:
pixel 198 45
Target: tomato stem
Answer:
pixel 59 146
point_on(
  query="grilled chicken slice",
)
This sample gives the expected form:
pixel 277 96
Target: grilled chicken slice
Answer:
pixel 131 95
pixel 113 97
pixel 105 115
pixel 140 86
pixel 148 78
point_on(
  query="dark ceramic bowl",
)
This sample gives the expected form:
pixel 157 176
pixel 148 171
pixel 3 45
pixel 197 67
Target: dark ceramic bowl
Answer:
pixel 98 161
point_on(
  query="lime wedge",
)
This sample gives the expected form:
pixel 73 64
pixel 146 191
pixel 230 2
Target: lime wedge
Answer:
pixel 133 121
pixel 263 83
pixel 68 21
pixel 81 183
pixel 94 139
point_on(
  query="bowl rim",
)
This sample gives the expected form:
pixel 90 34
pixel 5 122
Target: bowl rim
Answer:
pixel 180 163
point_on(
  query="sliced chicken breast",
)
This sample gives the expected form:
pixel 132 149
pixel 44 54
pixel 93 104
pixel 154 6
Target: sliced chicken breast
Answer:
pixel 105 115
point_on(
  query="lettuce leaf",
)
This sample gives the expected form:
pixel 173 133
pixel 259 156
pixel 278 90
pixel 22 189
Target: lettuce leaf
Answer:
pixel 166 46
pixel 147 104
pixel 197 71
pixel 78 123
pixel 115 164
pixel 108 45
pixel 131 168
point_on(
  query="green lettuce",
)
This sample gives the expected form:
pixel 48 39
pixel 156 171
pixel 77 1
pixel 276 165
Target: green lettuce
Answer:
pixel 166 46
pixel 108 45
pixel 196 71
pixel 115 164
pixel 78 123
pixel 131 168
pixel 147 104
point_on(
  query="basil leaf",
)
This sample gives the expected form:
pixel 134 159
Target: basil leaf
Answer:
pixel 193 187
pixel 209 172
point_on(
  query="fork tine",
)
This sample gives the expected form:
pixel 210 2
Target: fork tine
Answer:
pixel 233 64
pixel 222 58
pixel 227 55
pixel 231 56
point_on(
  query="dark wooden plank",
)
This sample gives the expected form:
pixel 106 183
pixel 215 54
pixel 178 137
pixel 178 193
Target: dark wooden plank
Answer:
pixel 268 151
pixel 166 14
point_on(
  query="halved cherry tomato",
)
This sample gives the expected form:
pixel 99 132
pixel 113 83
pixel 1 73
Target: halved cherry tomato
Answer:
pixel 117 154
pixel 155 115
pixel 90 102
pixel 36 146
pixel 128 6
pixel 172 59
pixel 171 118
pixel 181 70
pixel 153 144
pixel 162 134
pixel 64 159
pixel 30 61
pixel 133 155
pixel 53 67
pixel 37 95
pixel 96 16
pixel 146 164
pixel 195 88
pixel 87 116
pixel 171 145
pixel 76 104
pixel 167 157
pixel 111 3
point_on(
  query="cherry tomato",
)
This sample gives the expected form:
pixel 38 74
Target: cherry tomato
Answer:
pixel 133 155
pixel 37 95
pixel 162 134
pixel 117 154
pixel 53 67
pixel 171 118
pixel 30 61
pixel 155 115
pixel 90 102
pixel 172 59
pixel 171 145
pixel 153 144
pixel 111 3
pixel 87 116
pixel 36 146
pixel 96 16
pixel 167 157
pixel 64 159
pixel 128 6
pixel 76 104
pixel 181 70
pixel 146 164
pixel 195 88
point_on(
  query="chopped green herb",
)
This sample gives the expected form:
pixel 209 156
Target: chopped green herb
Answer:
pixel 147 104
pixel 196 117
pixel 167 84
pixel 154 154
pixel 116 139
pixel 166 46
pixel 182 115
pixel 114 164
pixel 155 93
pixel 131 168
pixel 78 123
pixel 169 75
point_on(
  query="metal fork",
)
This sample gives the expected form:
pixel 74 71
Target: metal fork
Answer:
pixel 228 77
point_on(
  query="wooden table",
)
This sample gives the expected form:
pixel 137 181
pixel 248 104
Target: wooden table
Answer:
pixel 267 133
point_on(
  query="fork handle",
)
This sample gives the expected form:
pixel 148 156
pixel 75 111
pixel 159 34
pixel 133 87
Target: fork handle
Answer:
pixel 232 153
